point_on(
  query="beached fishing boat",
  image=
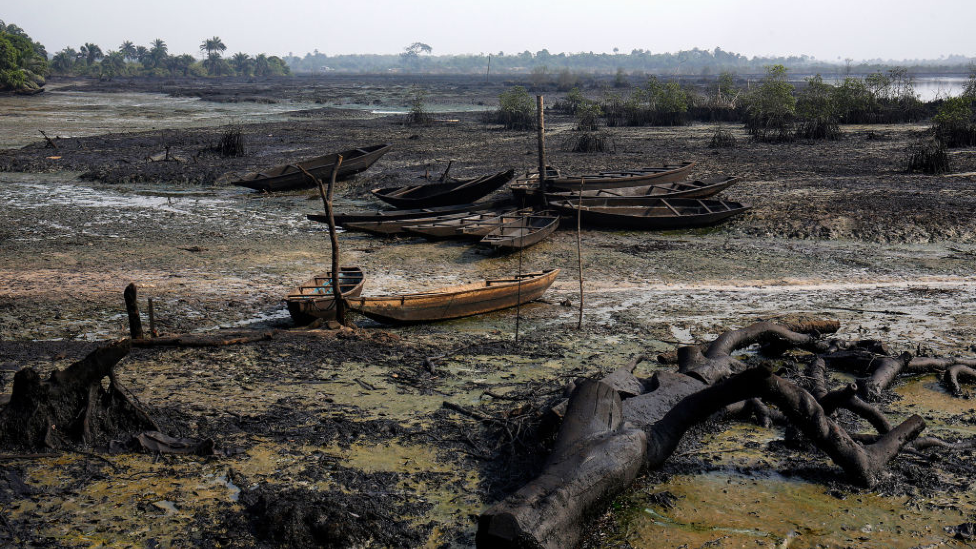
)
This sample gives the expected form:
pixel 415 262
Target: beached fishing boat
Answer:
pixel 479 229
pixel 397 226
pixel 634 195
pixel 455 301
pixel 447 228
pixel 556 181
pixel 290 176
pixel 388 215
pixel 458 191
pixel 527 231
pixel 676 213
pixel 315 299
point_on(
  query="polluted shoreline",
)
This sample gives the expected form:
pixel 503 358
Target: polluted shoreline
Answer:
pixel 400 436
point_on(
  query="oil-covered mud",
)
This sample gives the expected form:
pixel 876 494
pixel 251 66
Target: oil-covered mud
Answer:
pixel 342 439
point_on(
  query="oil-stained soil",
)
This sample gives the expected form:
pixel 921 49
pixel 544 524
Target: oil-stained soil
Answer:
pixel 342 438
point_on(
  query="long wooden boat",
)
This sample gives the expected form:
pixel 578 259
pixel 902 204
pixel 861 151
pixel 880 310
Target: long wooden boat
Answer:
pixel 397 226
pixel 430 195
pixel 447 228
pixel 315 299
pixel 479 229
pixel 556 181
pixel 290 176
pixel 388 215
pixel 676 213
pixel 530 230
pixel 624 196
pixel 455 301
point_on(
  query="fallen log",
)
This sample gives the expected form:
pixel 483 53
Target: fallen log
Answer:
pixel 595 457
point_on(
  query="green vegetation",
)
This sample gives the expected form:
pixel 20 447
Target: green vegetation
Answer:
pixel 155 60
pixel 953 124
pixel 23 62
pixel 418 115
pixel 928 156
pixel 816 111
pixel 638 62
pixel 516 109
pixel 771 107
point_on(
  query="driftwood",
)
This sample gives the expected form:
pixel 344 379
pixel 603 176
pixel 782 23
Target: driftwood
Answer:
pixel 604 442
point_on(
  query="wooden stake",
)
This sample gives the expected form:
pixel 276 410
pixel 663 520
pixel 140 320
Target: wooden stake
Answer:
pixel 579 251
pixel 543 183
pixel 132 308
pixel 50 144
pixel 152 320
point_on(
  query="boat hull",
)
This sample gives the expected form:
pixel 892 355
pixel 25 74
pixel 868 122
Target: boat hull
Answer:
pixel 314 299
pixel 665 214
pixel 290 176
pixel 443 194
pixel 455 302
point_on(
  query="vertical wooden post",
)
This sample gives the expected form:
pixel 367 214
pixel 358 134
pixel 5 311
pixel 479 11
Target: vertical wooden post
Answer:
pixel 152 320
pixel 543 184
pixel 340 305
pixel 132 308
pixel 579 251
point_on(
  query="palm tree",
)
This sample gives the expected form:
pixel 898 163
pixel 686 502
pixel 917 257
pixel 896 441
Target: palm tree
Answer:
pixel 242 63
pixel 91 53
pixel 128 50
pixel 180 64
pixel 158 52
pixel 112 65
pixel 261 66
pixel 64 60
pixel 213 48
pixel 142 54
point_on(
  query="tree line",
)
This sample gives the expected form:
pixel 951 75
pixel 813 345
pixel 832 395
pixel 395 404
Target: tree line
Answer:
pixel 23 62
pixel 155 60
pixel 417 58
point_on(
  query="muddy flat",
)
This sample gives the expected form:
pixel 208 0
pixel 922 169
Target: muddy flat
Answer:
pixel 353 422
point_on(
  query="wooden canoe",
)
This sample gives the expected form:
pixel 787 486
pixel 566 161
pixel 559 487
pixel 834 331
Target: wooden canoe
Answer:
pixel 447 228
pixel 455 301
pixel 630 196
pixel 604 180
pixel 315 299
pixel 676 213
pixel 431 195
pixel 388 215
pixel 397 226
pixel 479 229
pixel 525 232
pixel 289 176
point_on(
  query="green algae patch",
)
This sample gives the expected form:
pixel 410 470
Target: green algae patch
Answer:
pixel 731 510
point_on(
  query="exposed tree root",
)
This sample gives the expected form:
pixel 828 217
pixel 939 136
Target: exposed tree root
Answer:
pixel 72 407
pixel 597 453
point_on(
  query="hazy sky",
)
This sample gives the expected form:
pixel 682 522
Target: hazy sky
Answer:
pixel 829 30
